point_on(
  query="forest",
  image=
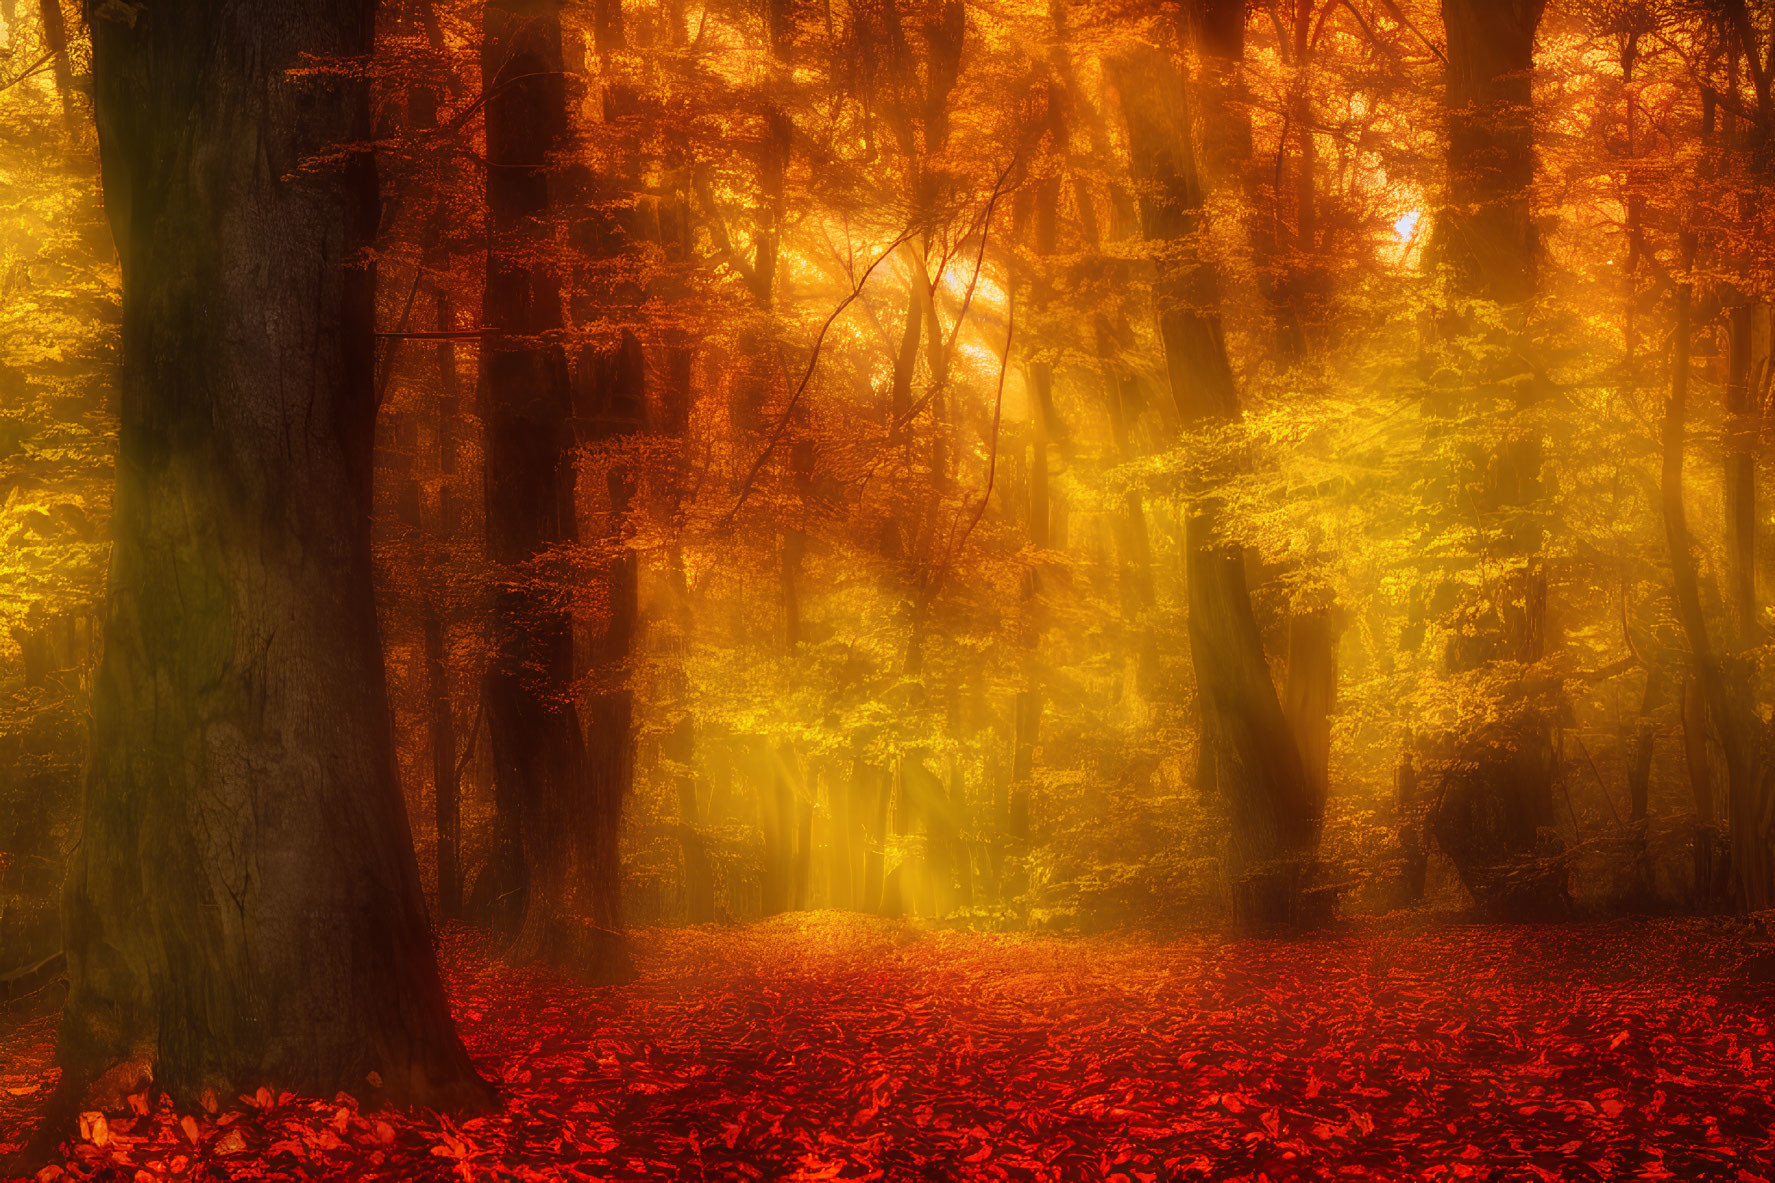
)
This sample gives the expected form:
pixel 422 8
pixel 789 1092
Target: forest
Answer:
pixel 887 589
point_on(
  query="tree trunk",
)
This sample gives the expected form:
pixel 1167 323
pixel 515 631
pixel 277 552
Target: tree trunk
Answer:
pixel 1750 794
pixel 1258 766
pixel 446 794
pixel 1488 234
pixel 874 860
pixel 699 878
pixel 776 819
pixel 1695 729
pixel 1498 797
pixel 244 908
pixel 553 823
pixel 1740 475
pixel 1639 769
pixel 1310 694
pixel 55 39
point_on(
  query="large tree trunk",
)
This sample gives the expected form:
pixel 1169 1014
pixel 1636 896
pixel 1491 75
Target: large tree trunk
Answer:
pixel 1257 763
pixel 244 908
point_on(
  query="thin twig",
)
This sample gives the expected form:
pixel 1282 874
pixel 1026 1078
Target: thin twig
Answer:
pixel 998 407
pixel 783 420
pixel 29 70
pixel 998 191
pixel 439 335
pixel 1606 799
pixel 395 340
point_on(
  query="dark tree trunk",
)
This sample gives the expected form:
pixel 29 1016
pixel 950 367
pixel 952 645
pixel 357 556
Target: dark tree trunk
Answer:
pixel 1309 696
pixel 1695 757
pixel 1740 475
pixel 1488 234
pixel 699 878
pixel 1639 769
pixel 1257 764
pixel 55 39
pixel 1498 798
pixel 447 798
pixel 553 824
pixel 244 908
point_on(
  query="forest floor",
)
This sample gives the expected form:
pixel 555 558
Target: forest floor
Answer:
pixel 825 1046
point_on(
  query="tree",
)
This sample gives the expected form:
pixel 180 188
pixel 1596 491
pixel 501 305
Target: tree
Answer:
pixel 1257 762
pixel 1502 769
pixel 556 851
pixel 244 908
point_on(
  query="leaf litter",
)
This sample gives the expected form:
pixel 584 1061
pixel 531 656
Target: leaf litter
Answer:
pixel 826 1046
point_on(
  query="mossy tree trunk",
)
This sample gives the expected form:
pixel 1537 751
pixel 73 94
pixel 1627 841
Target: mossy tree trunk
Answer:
pixel 244 908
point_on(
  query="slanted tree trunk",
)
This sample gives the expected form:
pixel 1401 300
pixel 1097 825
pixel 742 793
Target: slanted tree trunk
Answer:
pixel 1258 766
pixel 55 39
pixel 244 908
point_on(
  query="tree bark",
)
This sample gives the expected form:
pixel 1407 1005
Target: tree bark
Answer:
pixel 245 908
pixel 699 879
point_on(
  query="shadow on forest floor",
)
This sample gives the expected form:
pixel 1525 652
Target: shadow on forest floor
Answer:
pixel 826 1046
